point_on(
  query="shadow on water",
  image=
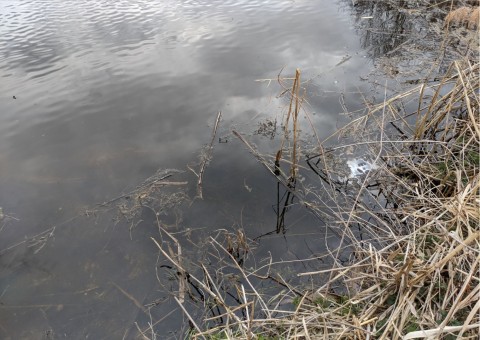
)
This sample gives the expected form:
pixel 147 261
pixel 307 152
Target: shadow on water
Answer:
pixel 103 95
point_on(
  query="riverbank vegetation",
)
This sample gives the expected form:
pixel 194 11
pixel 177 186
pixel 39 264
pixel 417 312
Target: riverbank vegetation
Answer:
pixel 407 257
pixel 411 229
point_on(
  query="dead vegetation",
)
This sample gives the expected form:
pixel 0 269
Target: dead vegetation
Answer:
pixel 403 37
pixel 408 255
pixel 410 229
pixel 464 16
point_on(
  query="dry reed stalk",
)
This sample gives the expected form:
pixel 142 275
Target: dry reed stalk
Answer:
pixel 131 298
pixel 206 157
pixel 294 107
pixel 295 95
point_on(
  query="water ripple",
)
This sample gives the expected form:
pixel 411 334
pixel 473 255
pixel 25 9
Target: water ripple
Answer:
pixel 69 47
pixel 87 83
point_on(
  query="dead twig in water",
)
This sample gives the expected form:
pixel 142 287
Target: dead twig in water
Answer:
pixel 206 157
pixel 131 298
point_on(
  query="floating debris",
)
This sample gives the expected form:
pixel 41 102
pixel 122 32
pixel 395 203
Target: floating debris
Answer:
pixel 359 167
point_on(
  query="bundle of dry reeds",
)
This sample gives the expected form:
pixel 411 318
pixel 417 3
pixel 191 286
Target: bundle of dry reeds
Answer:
pixel 413 273
pixel 410 228
pixel 416 275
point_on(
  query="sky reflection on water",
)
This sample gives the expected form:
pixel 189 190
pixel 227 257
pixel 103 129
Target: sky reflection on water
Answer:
pixel 106 93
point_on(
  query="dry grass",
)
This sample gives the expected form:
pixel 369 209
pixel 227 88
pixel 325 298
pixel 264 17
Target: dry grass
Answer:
pixel 468 16
pixel 418 276
pixel 411 228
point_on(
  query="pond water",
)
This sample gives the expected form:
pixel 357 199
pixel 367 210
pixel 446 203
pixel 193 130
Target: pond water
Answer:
pixel 96 96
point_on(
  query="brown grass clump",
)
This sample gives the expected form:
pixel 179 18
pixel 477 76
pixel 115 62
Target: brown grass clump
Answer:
pixel 468 16
pixel 421 278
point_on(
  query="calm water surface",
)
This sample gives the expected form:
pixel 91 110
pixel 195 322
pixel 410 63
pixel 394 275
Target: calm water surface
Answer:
pixel 97 95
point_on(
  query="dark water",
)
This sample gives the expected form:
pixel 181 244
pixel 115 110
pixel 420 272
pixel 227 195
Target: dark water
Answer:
pixel 97 95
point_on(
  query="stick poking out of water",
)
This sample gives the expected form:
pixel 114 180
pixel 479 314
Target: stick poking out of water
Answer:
pixel 207 157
